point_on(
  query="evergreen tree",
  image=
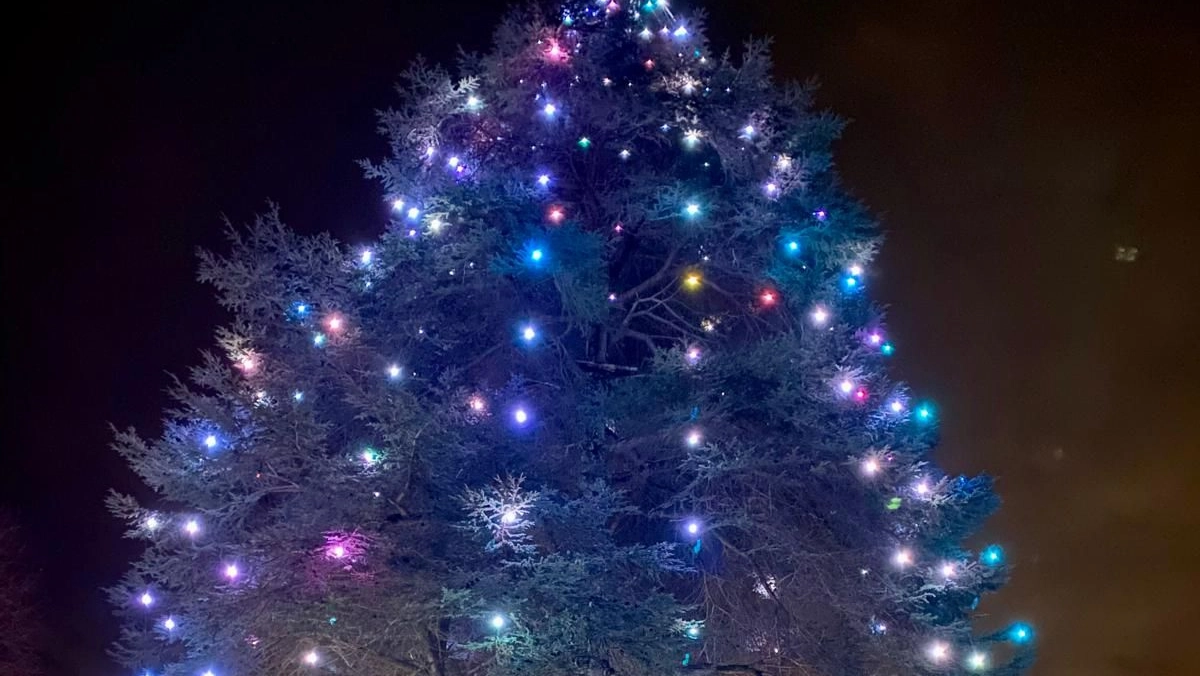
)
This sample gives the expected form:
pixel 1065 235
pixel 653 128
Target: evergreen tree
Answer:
pixel 607 396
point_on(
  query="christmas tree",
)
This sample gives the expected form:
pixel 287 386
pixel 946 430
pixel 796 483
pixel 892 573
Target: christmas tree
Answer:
pixel 607 396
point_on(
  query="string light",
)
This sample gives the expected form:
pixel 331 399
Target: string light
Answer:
pixel 691 137
pixel 870 467
pixel 819 315
pixel 948 570
pixel 549 109
pixel 624 154
pixel 1020 633
pixel 365 257
pixel 693 280
pixel 335 323
pixel 318 339
pixel 477 404
pixel 231 571
pixel 473 103
pixel 693 438
pixel 556 215
pixel 529 333
pixel 887 349
pixel 337 551
pixel 169 624
pixel 298 395
pixel 992 555
pixel 903 557
pixel 152 523
pixel 311 658
pixel 521 416
pixel 938 651
pixel 544 180
pixel 921 488
pixel 681 32
pixel 536 255
pixel 897 406
pixel 413 213
pixel 210 441
pixel 497 621
pixel 693 355
pixel 146 599
pixel 692 527
pixel 509 517
pixel 768 297
pixel 820 214
pixel 748 130
pixel 192 527
pixel 771 189
pixel 977 661
pixel 369 456
pixel 584 142
pixel 846 386
pixel 393 371
pixel 397 204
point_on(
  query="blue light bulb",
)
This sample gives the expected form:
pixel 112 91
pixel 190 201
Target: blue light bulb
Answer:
pixel 793 246
pixel 887 349
pixel 528 334
pixel 536 255
pixel 992 555
pixel 1020 633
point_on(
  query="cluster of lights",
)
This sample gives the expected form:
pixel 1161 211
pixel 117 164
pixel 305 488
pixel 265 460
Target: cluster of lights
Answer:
pixel 938 651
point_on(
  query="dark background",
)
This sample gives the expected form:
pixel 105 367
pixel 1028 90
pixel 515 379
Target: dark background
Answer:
pixel 1008 146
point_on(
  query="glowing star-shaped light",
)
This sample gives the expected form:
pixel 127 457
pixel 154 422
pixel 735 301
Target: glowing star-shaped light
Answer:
pixel 977 661
pixel 846 386
pixel 903 557
pixel 693 355
pixel 870 467
pixel 528 334
pixel 875 338
pixel 247 363
pixel 146 599
pixel 691 137
pixel 169 624
pixel 536 255
pixel 556 215
pixel 692 209
pixel 473 103
pixel 509 517
pixel 693 439
pixel 397 204
pixel 819 316
pixel 693 527
pixel 772 189
pixel 311 658
pixel 298 395
pixel 477 404
pixel 497 621
pixel 521 416
pixel 231 571
pixel 693 280
pixel 337 551
pixel 748 130
pixel 680 32
pixel 896 406
pixel 549 109
pixel 413 213
pixel 938 652
pixel 210 441
pixel 453 161
pixel 152 523
pixel 624 154
pixel 335 323
pixel 369 456
pixel 318 339
pixel 365 257
pixel 855 270
pixel 921 487
pixel 768 298
pixel 544 180
pixel 192 527
pixel 948 570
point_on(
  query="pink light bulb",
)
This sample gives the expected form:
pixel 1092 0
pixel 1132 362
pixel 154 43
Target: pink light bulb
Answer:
pixel 337 552
pixel 231 571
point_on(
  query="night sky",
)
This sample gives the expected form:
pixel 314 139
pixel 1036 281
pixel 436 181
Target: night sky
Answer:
pixel 1007 146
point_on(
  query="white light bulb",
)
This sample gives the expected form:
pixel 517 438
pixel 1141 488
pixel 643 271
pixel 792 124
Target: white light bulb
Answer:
pixel 871 466
pixel 921 488
pixel 544 180
pixel 521 416
pixel 397 204
pixel 393 371
pixel 897 406
pixel 152 523
pixel 977 661
pixel 693 209
pixel 693 439
pixel 748 130
pixel 529 333
pixel 509 516
pixel 903 557
pixel 948 570
pixel 625 153
pixel 413 212
pixel 169 624
pixel 497 621
pixel 311 657
pixel 693 528
pixel 846 386
pixel 210 441
pixel 231 571
pixel 820 315
pixel 191 527
pixel 856 270
pixel 146 599
pixel 939 651
pixel 365 257
pixel 550 109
